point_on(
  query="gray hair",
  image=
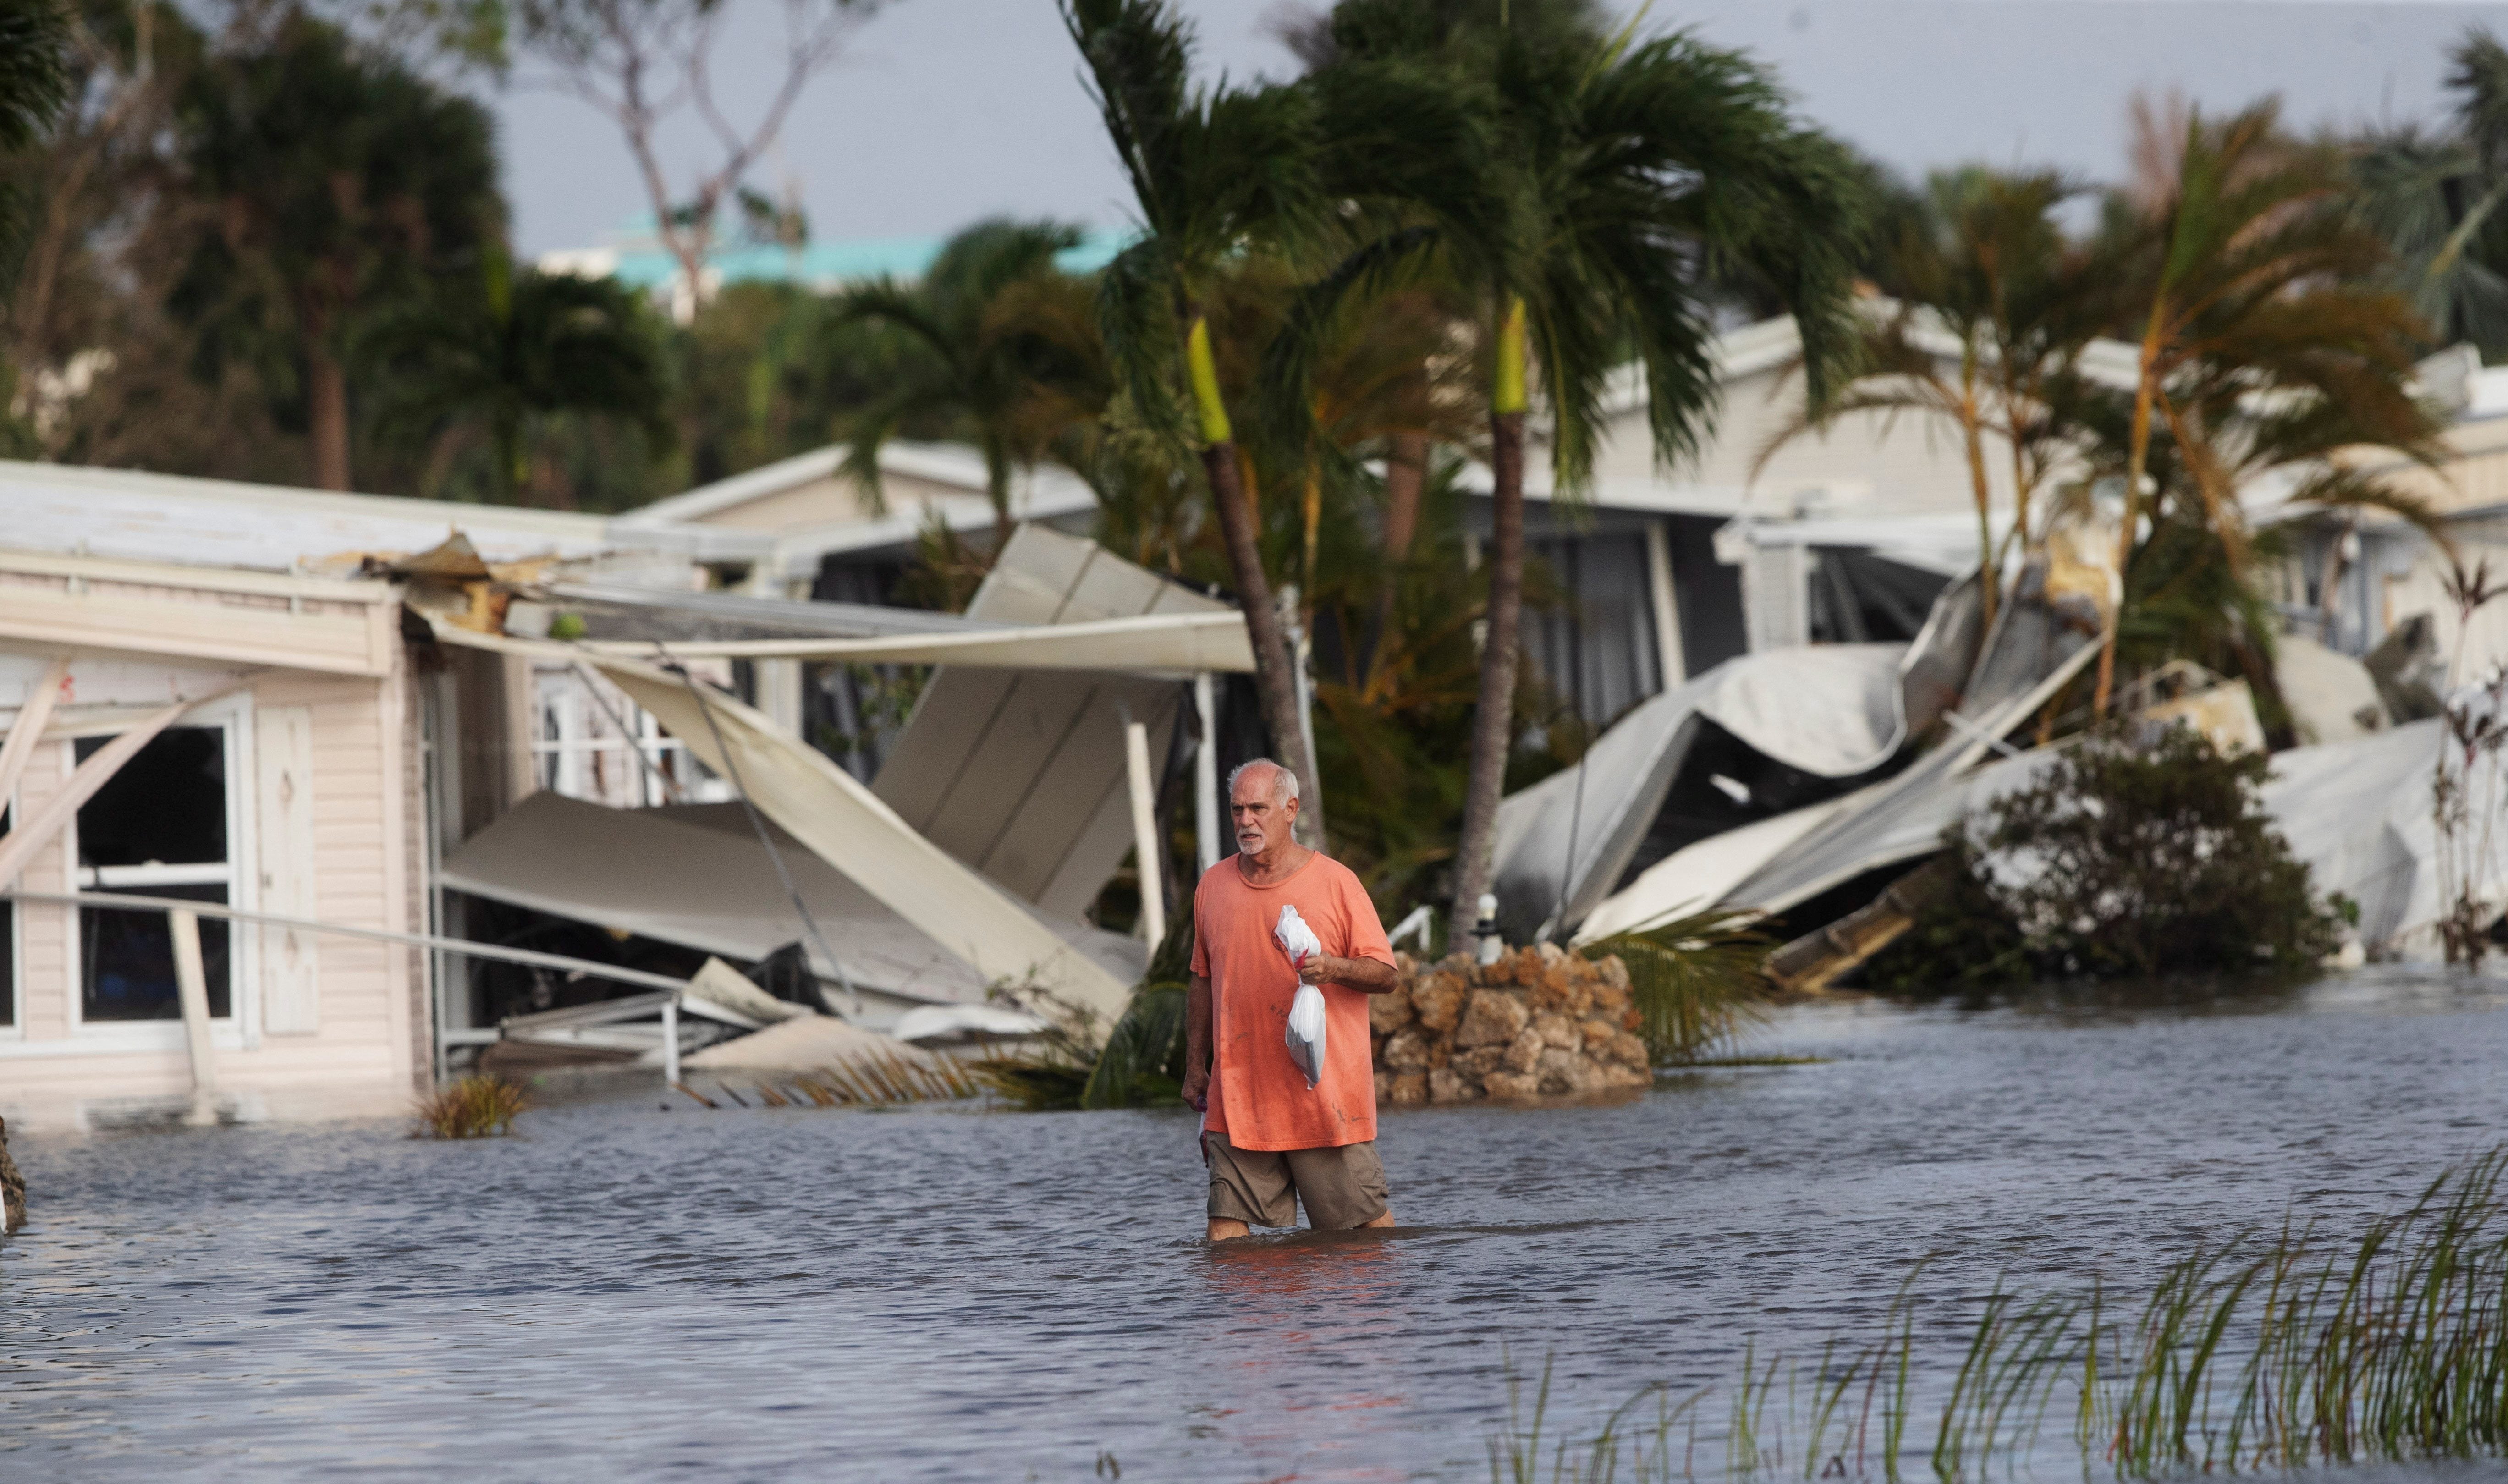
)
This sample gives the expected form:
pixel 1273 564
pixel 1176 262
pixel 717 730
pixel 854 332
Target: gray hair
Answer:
pixel 1284 783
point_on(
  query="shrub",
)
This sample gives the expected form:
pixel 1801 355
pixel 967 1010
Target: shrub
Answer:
pixel 471 1107
pixel 2122 861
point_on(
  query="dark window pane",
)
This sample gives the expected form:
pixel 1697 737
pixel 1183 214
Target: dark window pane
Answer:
pixel 167 803
pixel 128 960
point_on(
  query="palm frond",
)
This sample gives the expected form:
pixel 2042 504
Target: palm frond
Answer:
pixel 1696 978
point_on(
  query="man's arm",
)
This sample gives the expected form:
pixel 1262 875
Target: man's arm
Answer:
pixel 1197 1038
pixel 1368 975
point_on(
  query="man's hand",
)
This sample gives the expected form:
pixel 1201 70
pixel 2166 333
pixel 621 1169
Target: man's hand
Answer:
pixel 1196 1084
pixel 1322 969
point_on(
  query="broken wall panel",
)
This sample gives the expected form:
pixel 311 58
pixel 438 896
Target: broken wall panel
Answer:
pixel 1020 774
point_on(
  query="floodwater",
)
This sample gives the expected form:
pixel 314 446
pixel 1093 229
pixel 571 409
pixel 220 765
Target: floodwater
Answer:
pixel 627 1292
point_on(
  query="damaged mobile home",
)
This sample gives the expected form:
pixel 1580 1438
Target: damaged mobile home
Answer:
pixel 313 798
pixel 1811 771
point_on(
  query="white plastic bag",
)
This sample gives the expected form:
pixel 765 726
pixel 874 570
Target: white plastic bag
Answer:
pixel 1305 1036
pixel 1306 1033
pixel 1295 937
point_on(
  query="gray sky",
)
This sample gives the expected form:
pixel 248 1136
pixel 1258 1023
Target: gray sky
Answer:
pixel 943 111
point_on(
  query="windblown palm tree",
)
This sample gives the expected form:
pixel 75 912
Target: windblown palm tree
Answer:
pixel 2441 203
pixel 1992 309
pixel 1212 173
pixel 509 348
pixel 2259 315
pixel 1007 355
pixel 1606 180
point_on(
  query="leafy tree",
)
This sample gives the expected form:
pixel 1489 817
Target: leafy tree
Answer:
pixel 323 183
pixel 1606 181
pixel 1210 172
pixel 1007 355
pixel 502 349
pixel 2439 199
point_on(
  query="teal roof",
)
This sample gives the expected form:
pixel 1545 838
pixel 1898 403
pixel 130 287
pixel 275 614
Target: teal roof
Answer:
pixel 822 263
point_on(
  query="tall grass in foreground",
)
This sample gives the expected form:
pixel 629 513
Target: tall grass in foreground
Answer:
pixel 471 1107
pixel 2274 1352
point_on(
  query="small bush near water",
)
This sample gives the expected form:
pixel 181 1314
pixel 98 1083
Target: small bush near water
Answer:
pixel 2120 860
pixel 471 1107
pixel 2276 1352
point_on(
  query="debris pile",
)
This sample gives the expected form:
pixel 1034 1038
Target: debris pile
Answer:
pixel 1540 1022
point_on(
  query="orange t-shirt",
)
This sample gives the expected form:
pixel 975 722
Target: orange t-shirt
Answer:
pixel 1258 1096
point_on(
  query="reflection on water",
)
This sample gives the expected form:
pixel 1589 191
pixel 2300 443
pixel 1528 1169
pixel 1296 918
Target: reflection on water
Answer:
pixel 627 1291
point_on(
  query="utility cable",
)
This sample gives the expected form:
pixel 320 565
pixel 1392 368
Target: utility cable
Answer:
pixel 731 770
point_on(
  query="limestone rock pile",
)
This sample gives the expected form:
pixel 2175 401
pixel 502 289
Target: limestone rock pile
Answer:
pixel 1540 1022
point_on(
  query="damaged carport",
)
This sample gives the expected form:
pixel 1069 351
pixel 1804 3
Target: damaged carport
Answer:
pixel 911 904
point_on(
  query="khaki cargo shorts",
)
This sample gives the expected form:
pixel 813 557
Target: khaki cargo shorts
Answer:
pixel 1341 1187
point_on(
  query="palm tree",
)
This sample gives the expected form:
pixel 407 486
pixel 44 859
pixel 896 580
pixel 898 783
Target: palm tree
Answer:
pixel 329 183
pixel 34 85
pixel 2258 312
pixel 1991 310
pixel 505 349
pixel 2441 203
pixel 1212 173
pixel 1007 353
pixel 1609 179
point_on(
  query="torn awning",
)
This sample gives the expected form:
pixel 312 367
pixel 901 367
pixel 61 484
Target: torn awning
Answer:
pixel 697 876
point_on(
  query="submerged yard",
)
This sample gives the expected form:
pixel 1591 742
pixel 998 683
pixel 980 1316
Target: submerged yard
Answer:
pixel 622 1291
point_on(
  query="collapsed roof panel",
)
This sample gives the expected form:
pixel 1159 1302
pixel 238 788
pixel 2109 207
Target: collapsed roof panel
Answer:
pixel 848 827
pixel 1021 775
pixel 2359 814
pixel 697 876
pixel 1825 712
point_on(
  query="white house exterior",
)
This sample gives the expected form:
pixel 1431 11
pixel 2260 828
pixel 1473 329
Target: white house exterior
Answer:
pixel 292 779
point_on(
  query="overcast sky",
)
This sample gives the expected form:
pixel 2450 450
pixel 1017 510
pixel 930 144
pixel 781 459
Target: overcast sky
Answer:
pixel 943 111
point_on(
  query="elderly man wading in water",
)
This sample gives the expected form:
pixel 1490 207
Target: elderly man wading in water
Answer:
pixel 1271 1141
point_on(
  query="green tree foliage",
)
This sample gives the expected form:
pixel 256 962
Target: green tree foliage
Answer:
pixel 1585 198
pixel 496 351
pixel 2439 199
pixel 324 183
pixel 2120 860
pixel 1212 172
pixel 1001 352
pixel 35 76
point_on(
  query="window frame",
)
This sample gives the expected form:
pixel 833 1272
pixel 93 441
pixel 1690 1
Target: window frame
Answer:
pixel 240 1028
